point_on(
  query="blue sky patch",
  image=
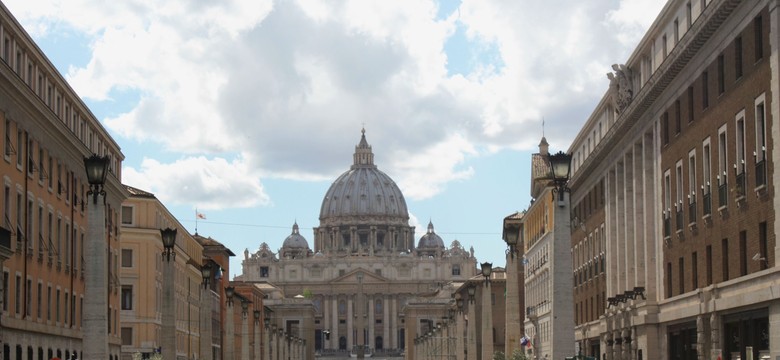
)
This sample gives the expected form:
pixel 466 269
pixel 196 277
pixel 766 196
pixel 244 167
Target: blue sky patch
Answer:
pixel 465 55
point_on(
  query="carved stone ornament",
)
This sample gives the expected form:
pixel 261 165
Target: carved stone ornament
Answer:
pixel 620 90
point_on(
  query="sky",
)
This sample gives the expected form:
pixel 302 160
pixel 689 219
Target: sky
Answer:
pixel 247 110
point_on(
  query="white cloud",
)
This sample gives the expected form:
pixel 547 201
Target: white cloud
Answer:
pixel 288 85
pixel 207 183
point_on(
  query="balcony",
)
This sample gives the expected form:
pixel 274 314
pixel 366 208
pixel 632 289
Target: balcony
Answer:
pixel 740 186
pixel 707 204
pixel 723 193
pixel 667 225
pixel 760 174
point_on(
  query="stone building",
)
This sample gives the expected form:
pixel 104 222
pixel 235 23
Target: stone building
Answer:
pixel 47 131
pixel 674 178
pixel 363 248
pixel 141 276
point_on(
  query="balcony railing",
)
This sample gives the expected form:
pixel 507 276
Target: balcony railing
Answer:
pixel 760 173
pixel 679 218
pixel 707 204
pixel 723 192
pixel 740 185
pixel 692 211
pixel 667 226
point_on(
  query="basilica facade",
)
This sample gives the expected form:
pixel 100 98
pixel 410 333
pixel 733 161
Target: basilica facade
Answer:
pixel 364 265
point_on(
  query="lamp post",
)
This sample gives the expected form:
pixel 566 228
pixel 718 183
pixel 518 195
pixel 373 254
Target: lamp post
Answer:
pixel 562 344
pixel 95 308
pixel 360 311
pixel 256 348
pixel 205 313
pixel 244 329
pixel 267 333
pixel 512 320
pixel 471 349
pixel 274 351
pixel 168 236
pixel 230 327
pixel 487 313
pixel 459 345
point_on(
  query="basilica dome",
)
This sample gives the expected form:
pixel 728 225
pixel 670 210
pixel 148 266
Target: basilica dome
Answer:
pixel 430 240
pixel 295 240
pixel 364 191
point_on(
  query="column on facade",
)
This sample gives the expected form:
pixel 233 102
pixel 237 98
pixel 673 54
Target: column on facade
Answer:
pixel 386 323
pixel 325 320
pixel 371 310
pixel 632 196
pixel 612 241
pixel 620 220
pixel 353 239
pixel 256 339
pixel 244 334
pixel 266 344
pixel 334 330
pixel 350 323
pixel 205 320
pixel 648 260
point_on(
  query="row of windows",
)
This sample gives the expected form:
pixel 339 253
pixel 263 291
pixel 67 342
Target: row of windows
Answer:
pixel 590 247
pixel 678 194
pixel 44 85
pixel 49 304
pixel 752 256
pixel 685 106
pixel 589 309
pixel 48 233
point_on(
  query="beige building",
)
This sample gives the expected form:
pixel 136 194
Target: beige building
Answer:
pixel 142 303
pixel 680 154
pixel 364 247
pixel 47 131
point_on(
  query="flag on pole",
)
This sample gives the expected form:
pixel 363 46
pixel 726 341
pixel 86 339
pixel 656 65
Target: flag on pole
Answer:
pixel 200 215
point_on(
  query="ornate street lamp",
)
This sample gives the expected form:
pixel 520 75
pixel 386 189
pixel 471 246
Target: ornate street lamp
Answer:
pixel 472 290
pixel 560 164
pixel 229 292
pixel 97 169
pixel 169 241
pixel 511 237
pixel 487 269
pixel 205 272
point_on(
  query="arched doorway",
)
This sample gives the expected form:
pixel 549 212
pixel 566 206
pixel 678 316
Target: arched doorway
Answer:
pixel 378 343
pixel 343 343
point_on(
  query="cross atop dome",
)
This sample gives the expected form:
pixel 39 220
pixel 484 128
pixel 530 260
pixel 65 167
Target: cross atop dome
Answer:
pixel 363 157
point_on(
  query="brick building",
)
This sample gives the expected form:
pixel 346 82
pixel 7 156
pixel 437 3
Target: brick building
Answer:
pixel 674 180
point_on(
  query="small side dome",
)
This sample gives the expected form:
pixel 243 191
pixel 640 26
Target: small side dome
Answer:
pixel 295 240
pixel 430 240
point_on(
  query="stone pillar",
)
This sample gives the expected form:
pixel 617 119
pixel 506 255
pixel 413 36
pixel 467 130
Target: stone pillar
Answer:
pixel 386 323
pixel 371 321
pixel 472 331
pixel 394 343
pixel 774 332
pixel 334 331
pixel 95 309
pixel 487 322
pixel 512 323
pixel 267 344
pixel 205 323
pixel 228 345
pixel 256 354
pixel 350 327
pixel 326 301
pixel 244 334
pixel 774 65
pixel 169 309
pixel 715 347
pixel 459 341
